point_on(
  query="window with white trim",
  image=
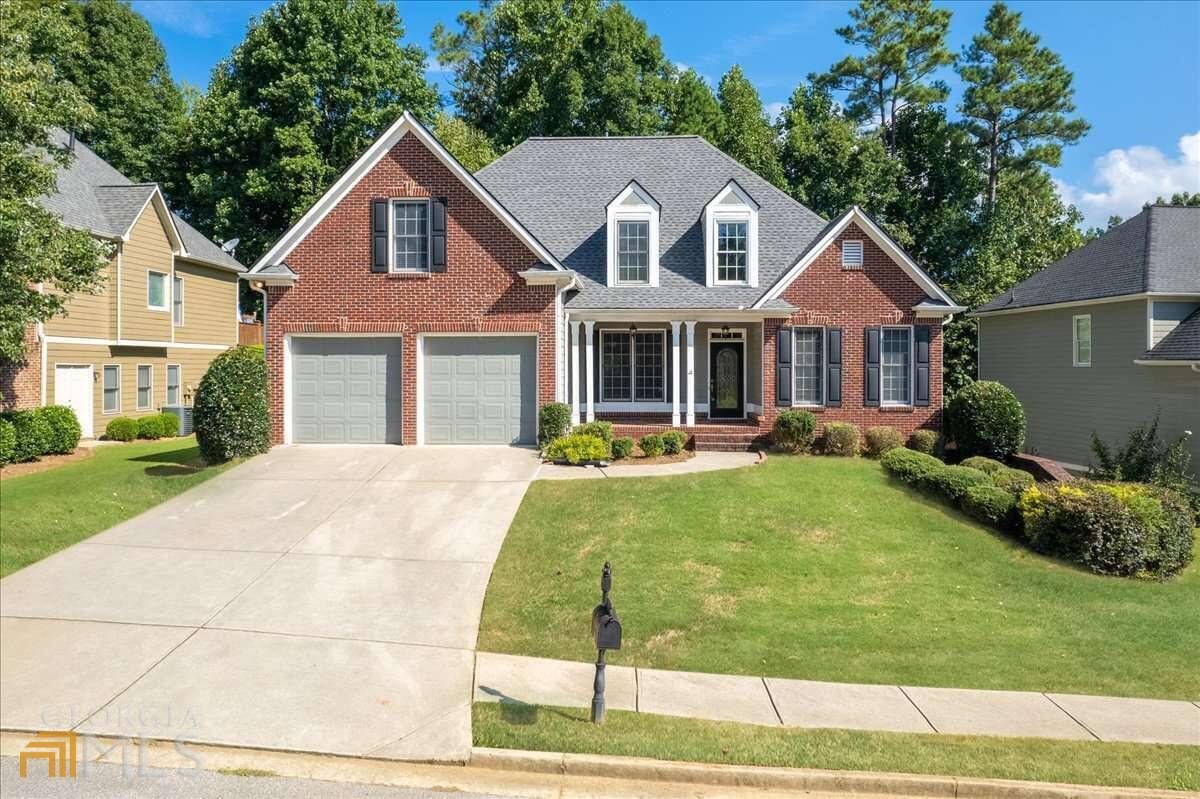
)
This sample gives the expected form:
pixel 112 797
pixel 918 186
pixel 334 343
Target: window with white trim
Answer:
pixel 156 290
pixel 632 233
pixel 177 300
pixel 895 366
pixel 410 235
pixel 852 254
pixel 809 365
pixel 731 238
pixel 732 251
pixel 173 371
pixel 1081 344
pixel 112 388
pixel 633 366
pixel 633 251
pixel 145 384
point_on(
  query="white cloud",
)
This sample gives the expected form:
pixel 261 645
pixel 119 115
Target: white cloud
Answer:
pixel 190 18
pixel 1125 179
pixel 774 110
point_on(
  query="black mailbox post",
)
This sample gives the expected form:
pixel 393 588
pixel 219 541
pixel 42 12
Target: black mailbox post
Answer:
pixel 606 633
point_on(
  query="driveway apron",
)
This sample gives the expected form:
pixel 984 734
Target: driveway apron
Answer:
pixel 316 598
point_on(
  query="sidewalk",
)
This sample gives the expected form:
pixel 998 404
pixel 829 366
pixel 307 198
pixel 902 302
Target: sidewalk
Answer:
pixel 803 703
pixel 701 462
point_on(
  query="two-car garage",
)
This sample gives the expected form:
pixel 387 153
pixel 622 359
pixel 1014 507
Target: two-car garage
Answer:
pixel 470 389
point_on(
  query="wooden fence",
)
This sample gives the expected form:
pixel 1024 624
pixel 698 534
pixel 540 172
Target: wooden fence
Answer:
pixel 250 333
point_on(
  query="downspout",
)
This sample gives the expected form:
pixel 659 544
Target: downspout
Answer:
pixel 261 288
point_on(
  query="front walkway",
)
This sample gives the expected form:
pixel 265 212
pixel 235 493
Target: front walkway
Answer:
pixel 319 599
pixel 700 462
pixel 803 703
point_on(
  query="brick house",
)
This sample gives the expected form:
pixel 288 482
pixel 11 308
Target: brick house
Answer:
pixel 651 281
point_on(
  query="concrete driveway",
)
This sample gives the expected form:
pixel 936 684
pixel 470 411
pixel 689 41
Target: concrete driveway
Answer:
pixel 322 599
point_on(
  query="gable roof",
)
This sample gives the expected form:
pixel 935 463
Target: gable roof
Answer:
pixel 405 125
pixel 1181 344
pixel 1157 251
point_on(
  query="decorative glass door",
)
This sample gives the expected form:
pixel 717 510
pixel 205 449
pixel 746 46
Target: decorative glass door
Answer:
pixel 726 399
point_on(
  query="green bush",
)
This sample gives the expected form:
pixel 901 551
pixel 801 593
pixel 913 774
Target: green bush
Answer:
pixel 983 464
pixel 554 419
pixel 881 440
pixel 149 427
pixel 8 441
pixel 121 429
pixel 599 429
pixel 674 441
pixel 577 448
pixel 923 441
pixel 794 431
pixel 909 465
pixel 64 428
pixel 652 445
pixel 989 504
pixel 841 438
pixel 169 423
pixel 622 447
pixel 1146 458
pixel 230 414
pixel 985 418
pixel 33 435
pixel 953 481
pixel 1014 481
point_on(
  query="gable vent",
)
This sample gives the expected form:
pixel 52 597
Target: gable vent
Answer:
pixel 852 255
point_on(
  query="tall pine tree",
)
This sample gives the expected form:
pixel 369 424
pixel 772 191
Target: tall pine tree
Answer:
pixel 748 136
pixel 693 108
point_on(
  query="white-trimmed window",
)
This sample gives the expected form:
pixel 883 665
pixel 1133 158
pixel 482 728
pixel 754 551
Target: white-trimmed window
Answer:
pixel 633 251
pixel 1081 340
pixel 632 218
pixel 731 238
pixel 852 254
pixel 112 388
pixel 177 300
pixel 808 364
pixel 174 372
pixel 733 253
pixel 156 290
pixel 633 365
pixel 410 236
pixel 895 366
pixel 145 386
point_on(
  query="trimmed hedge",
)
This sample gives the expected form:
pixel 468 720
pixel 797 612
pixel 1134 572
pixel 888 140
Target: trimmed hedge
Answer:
pixel 577 448
pixel 8 441
pixel 985 418
pixel 33 434
pixel 1014 481
pixel 121 429
pixel 169 423
pixel 600 429
pixel 622 447
pixel 841 438
pixel 953 481
pixel 230 414
pixel 673 441
pixel 983 464
pixel 923 441
pixel 794 430
pixel 554 419
pixel 149 427
pixel 64 429
pixel 881 440
pixel 909 465
pixel 989 504
pixel 652 445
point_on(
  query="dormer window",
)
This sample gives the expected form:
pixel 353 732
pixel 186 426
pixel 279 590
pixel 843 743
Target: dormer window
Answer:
pixel 731 238
pixel 633 238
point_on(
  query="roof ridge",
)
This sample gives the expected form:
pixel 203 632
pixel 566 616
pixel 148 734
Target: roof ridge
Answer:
pixel 1146 248
pixel 609 138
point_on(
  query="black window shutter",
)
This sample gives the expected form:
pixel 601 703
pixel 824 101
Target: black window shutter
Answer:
pixel 833 367
pixel 783 366
pixel 871 337
pixel 437 229
pixel 921 337
pixel 379 235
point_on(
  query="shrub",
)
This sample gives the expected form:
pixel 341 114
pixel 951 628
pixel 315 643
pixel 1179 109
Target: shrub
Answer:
pixel 989 504
pixel 33 435
pixel 985 418
pixel 149 427
pixel 64 428
pixel 674 441
pixel 923 441
pixel 953 481
pixel 909 465
pixel 169 423
pixel 1014 481
pixel 577 448
pixel 599 429
pixel 794 431
pixel 881 440
pixel 622 447
pixel 121 429
pixel 841 438
pixel 230 413
pixel 554 419
pixel 8 441
pixel 1146 458
pixel 983 464
pixel 652 445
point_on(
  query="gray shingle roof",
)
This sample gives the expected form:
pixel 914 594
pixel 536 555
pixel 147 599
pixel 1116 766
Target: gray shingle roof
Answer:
pixel 202 248
pixel 1156 251
pixel 559 189
pixel 1181 344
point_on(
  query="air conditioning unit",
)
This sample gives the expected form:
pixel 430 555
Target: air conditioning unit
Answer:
pixel 184 412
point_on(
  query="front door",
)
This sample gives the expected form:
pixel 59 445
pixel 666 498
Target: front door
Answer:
pixel 726 388
pixel 73 388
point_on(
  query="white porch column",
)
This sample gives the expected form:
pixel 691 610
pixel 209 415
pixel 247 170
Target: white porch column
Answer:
pixel 574 372
pixel 591 372
pixel 691 372
pixel 675 374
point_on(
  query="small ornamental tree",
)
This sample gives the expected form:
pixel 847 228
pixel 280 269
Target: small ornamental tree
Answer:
pixel 230 414
pixel 985 418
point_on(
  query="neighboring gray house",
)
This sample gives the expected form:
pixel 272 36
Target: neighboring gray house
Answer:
pixel 1104 339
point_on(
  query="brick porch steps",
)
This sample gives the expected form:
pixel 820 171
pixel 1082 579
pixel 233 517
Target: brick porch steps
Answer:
pixel 732 436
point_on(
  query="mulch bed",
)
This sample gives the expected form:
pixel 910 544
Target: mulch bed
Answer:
pixel 638 459
pixel 43 463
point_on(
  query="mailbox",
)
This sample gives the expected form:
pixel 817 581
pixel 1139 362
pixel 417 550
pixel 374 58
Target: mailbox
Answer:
pixel 606 629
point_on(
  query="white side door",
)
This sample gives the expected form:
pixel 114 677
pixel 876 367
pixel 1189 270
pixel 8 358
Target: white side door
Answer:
pixel 73 388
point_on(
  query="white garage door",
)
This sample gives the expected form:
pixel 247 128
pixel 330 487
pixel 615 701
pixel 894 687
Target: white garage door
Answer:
pixel 480 390
pixel 346 390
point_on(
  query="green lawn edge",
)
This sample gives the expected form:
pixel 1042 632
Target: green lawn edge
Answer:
pixel 557 729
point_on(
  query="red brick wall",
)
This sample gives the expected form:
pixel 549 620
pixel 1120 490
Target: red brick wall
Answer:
pixel 880 293
pixel 480 290
pixel 21 381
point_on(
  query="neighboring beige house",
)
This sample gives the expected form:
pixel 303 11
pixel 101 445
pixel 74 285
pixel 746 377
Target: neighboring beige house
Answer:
pixel 167 307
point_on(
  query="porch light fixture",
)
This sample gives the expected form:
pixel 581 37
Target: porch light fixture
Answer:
pixel 725 330
pixel 633 328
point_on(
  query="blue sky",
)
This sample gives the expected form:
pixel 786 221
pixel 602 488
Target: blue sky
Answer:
pixel 1136 65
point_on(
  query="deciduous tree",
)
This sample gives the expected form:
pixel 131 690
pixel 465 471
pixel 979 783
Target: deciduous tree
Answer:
pixel 693 108
pixel 747 136
pixel 465 142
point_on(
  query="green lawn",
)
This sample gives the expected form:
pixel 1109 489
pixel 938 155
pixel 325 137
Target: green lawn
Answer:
pixel 44 512
pixel 823 568
pixel 553 729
